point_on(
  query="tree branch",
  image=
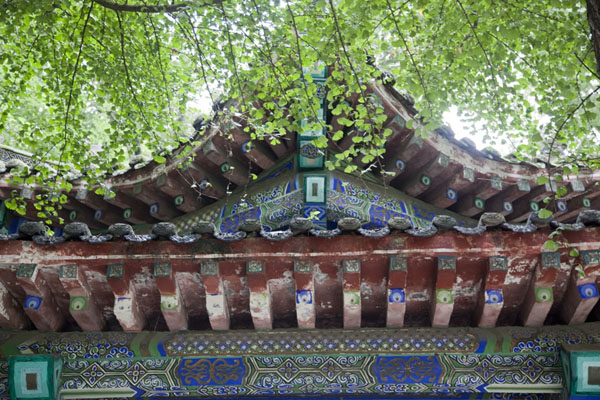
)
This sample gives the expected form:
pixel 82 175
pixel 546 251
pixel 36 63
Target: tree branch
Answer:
pixel 147 8
pixel 567 118
pixel 412 59
pixel 70 99
pixel 586 67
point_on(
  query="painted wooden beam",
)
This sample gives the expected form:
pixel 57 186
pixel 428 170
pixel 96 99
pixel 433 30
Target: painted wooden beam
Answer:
pixel 172 305
pixel 474 202
pixel 582 292
pixel 523 206
pixel 503 202
pixel 40 305
pixel 12 315
pixel 103 212
pixel 82 305
pixel 255 151
pixel 491 300
pixel 352 295
pixel 305 293
pixel 260 296
pixel 158 205
pixel 182 196
pixel 133 210
pixel 126 307
pixel 209 183
pixel 78 212
pixel 423 179
pixel 216 301
pixel 230 168
pixel 585 201
pixel 447 193
pixel 540 295
pixel 442 303
pixel 396 291
pixel 470 205
pixel 408 159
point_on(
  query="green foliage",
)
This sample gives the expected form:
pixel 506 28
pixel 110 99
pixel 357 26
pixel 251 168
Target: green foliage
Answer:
pixel 86 84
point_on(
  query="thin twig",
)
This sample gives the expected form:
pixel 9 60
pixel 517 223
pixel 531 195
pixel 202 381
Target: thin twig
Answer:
pixel 586 67
pixel 412 59
pixel 70 98
pixel 200 54
pixel 231 53
pixel 567 118
pixel 298 52
pixel 150 9
pixel 129 82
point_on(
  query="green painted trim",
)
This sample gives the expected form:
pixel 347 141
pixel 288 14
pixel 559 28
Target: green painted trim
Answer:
pixel 153 344
pixel 9 347
pixel 136 343
pixel 491 340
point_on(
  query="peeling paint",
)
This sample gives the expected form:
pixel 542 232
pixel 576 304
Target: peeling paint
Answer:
pixel 319 276
pixel 366 289
pixel 3 294
pixel 418 296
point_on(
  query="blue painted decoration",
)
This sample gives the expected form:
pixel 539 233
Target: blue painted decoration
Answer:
pixel 397 295
pixel 588 290
pixel 493 296
pixel 304 297
pixel 451 194
pixel 33 302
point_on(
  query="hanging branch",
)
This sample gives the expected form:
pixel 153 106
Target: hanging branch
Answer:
pixel 70 98
pixel 159 58
pixel 337 29
pixel 129 82
pixel 231 54
pixel 196 42
pixel 412 59
pixel 491 68
pixel 150 8
pixel 370 118
pixel 298 52
pixel 268 54
pixel 591 71
pixel 567 119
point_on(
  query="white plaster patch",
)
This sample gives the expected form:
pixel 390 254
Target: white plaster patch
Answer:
pixel 259 300
pixel 468 289
pixel 3 293
pixel 512 279
pixel 144 279
pixel 305 311
pixel 196 277
pixel 216 305
pixel 94 276
pixel 124 310
pixel 366 289
pixel 319 276
pixel 418 296
pixel 288 275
